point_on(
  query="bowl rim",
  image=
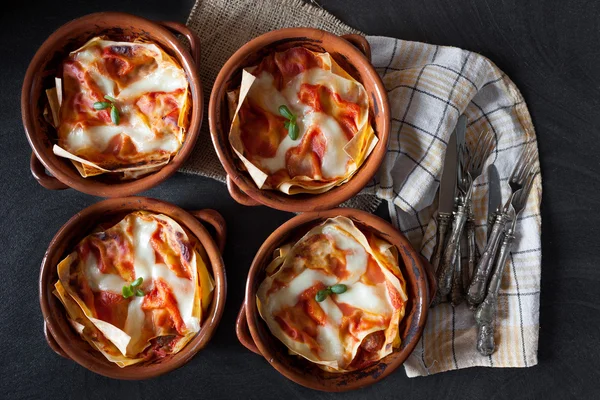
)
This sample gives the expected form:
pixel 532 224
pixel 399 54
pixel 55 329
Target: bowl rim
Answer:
pixel 388 232
pixel 113 189
pixel 274 199
pixel 91 359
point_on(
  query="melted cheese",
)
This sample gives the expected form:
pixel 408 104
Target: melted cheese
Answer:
pixel 332 115
pixel 334 162
pixel 142 245
pixel 151 92
pixel 330 333
pixel 145 140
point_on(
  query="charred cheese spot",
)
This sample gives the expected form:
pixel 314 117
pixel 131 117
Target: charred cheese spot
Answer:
pixel 284 66
pixel 123 61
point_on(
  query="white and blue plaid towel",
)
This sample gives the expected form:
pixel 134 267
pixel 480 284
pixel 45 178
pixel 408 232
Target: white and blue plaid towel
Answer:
pixel 429 87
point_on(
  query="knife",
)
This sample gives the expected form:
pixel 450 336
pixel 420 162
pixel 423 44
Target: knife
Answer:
pixel 461 146
pixel 446 201
pixel 494 195
pixel 494 204
pixel 448 260
pixel 467 270
pixel 482 270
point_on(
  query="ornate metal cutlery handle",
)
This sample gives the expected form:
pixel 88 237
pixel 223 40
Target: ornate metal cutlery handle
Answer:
pixel 491 219
pixel 485 339
pixel 486 312
pixel 447 266
pixel 482 271
pixel 443 222
pixel 457 294
pixel 471 251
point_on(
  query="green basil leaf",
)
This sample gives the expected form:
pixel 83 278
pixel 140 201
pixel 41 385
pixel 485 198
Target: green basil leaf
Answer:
pixel 293 131
pixel 137 282
pixel 339 288
pixel 101 105
pixel 114 115
pixel 287 125
pixel 321 295
pixel 110 98
pixel 127 292
pixel 139 293
pixel 285 111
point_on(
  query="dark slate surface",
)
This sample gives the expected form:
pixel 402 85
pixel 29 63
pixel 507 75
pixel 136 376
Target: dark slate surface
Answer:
pixel 549 48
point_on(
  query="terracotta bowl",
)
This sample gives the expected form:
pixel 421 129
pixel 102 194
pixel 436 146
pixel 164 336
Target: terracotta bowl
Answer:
pixel 67 343
pixel 40 76
pixel 351 52
pixel 254 334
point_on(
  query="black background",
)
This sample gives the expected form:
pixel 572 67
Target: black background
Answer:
pixel 551 50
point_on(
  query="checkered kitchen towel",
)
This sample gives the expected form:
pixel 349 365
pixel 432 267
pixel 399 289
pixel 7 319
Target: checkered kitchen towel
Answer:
pixel 428 87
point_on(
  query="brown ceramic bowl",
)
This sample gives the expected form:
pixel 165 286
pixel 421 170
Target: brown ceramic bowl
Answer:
pixel 254 334
pixel 40 76
pixel 351 52
pixel 67 343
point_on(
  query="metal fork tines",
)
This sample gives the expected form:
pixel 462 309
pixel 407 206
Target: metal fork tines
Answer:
pixel 486 312
pixel 475 161
pixel 481 274
pixel 467 165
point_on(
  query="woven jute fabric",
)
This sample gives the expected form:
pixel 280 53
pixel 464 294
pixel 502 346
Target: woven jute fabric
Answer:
pixel 225 26
pixel 429 87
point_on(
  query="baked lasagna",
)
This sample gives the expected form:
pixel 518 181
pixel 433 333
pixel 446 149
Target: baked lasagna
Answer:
pixel 120 107
pixel 335 297
pixel 137 291
pixel 300 123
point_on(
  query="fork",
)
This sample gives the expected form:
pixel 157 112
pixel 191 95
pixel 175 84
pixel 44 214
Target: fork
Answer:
pixel 481 274
pixel 474 161
pixel 465 189
pixel 486 312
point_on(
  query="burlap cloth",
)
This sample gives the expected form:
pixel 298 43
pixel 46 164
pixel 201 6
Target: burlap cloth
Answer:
pixel 429 87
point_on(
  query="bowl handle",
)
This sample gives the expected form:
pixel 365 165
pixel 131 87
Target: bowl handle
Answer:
pixel 243 333
pixel 39 173
pixel 189 35
pixel 431 280
pixel 52 343
pixel 360 43
pixel 238 195
pixel 217 221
